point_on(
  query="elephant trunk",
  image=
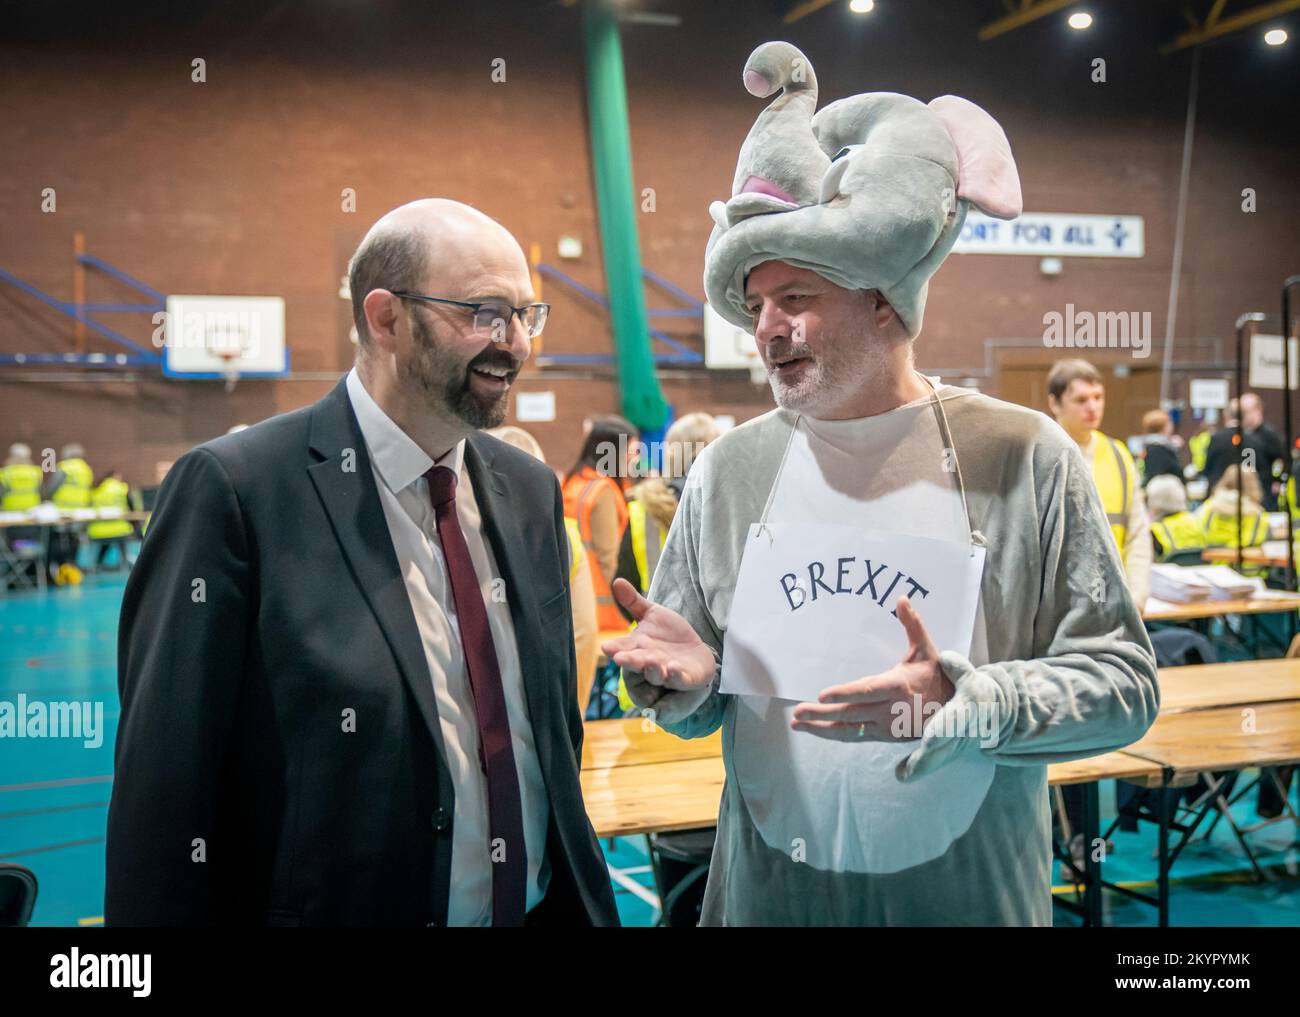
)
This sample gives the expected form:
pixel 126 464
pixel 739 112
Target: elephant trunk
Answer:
pixel 780 158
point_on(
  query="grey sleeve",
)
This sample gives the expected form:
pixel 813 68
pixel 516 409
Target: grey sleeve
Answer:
pixel 1090 684
pixel 677 586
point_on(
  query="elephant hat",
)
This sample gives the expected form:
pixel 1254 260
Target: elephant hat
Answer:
pixel 870 193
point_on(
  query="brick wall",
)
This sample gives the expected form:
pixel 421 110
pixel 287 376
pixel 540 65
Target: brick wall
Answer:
pixel 234 186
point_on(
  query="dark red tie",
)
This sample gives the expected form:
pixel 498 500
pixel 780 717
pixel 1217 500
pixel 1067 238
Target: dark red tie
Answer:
pixel 505 811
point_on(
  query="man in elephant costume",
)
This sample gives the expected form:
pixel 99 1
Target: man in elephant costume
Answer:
pixel 912 791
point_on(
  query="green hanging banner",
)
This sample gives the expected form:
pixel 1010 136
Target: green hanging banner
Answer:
pixel 611 154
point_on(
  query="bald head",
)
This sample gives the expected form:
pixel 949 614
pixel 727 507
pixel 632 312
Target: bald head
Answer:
pixel 437 247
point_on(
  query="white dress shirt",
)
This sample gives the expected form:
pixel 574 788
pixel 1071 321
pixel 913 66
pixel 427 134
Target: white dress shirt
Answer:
pixel 399 465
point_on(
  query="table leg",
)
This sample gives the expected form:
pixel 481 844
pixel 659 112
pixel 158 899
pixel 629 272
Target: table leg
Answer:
pixel 43 573
pixel 1092 869
pixel 1162 878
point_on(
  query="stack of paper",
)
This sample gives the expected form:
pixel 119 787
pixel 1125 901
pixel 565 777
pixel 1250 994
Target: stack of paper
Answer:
pixel 1179 585
pixel 1227 583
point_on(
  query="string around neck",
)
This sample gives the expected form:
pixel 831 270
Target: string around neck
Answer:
pixel 977 539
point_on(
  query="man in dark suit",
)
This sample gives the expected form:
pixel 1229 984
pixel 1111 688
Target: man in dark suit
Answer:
pixel 346 658
pixel 1261 446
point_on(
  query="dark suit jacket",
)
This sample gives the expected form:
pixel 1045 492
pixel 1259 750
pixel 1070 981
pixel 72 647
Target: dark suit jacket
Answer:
pixel 266 604
pixel 1160 459
pixel 1220 454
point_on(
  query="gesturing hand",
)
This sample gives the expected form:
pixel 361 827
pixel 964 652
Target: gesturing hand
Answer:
pixel 863 710
pixel 663 647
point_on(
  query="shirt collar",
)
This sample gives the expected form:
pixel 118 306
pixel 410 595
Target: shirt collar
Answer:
pixel 399 460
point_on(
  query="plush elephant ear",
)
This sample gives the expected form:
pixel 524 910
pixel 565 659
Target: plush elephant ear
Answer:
pixel 986 171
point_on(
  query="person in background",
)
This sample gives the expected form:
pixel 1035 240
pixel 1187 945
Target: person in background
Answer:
pixel 20 480
pixel 685 440
pixel 594 498
pixel 652 503
pixel 1173 528
pixel 1217 517
pixel 1269 442
pixel 114 493
pixel 1160 451
pixel 1257 450
pixel 582 594
pixel 70 485
pixel 1197 445
pixel 20 491
pixel 1077 399
pixel 68 488
pixel 1286 501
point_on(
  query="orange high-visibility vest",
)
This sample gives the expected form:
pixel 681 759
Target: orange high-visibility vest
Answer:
pixel 580 493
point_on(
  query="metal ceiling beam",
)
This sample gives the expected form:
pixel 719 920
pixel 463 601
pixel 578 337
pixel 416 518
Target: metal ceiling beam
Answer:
pixel 803 9
pixel 1215 28
pixel 1029 10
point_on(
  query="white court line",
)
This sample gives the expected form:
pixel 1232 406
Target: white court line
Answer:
pixel 633 887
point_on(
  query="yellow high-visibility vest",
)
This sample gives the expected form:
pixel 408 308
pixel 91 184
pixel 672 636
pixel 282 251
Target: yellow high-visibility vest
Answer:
pixel 636 521
pixel 112 493
pixel 1179 531
pixel 1221 530
pixel 22 487
pixel 78 479
pixel 580 493
pixel 1116 477
pixel 1288 502
pixel 1197 446
pixel 575 546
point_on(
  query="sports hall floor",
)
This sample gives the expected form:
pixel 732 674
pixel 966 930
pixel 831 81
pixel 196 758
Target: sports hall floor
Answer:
pixel 54 793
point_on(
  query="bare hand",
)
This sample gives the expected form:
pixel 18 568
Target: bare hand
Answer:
pixel 864 710
pixel 663 647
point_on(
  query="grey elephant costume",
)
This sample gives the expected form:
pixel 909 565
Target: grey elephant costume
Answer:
pixel 871 193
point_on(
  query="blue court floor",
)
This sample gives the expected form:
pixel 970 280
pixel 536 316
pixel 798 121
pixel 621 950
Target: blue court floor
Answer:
pixel 54 793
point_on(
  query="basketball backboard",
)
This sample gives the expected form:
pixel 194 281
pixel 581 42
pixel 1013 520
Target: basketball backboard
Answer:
pixel 223 337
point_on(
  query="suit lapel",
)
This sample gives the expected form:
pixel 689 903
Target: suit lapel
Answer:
pixel 501 527
pixel 345 484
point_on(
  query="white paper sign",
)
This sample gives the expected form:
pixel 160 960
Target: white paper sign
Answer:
pixel 1266 362
pixel 814 605
pixel 1209 393
pixel 534 406
pixel 1071 235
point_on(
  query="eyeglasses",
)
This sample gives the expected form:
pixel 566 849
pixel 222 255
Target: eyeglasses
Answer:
pixel 492 317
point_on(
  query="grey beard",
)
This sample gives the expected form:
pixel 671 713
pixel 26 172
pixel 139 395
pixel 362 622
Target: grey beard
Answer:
pixel 445 381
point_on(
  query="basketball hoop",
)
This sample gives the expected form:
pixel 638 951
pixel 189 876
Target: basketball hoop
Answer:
pixel 224 338
pixel 229 367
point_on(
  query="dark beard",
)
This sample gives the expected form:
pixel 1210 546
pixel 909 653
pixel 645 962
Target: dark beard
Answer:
pixel 446 382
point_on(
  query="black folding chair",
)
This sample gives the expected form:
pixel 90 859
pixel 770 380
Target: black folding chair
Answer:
pixel 1185 556
pixel 680 863
pixel 17 895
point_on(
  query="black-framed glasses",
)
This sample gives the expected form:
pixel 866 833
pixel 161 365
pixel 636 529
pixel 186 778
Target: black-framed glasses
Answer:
pixel 492 317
